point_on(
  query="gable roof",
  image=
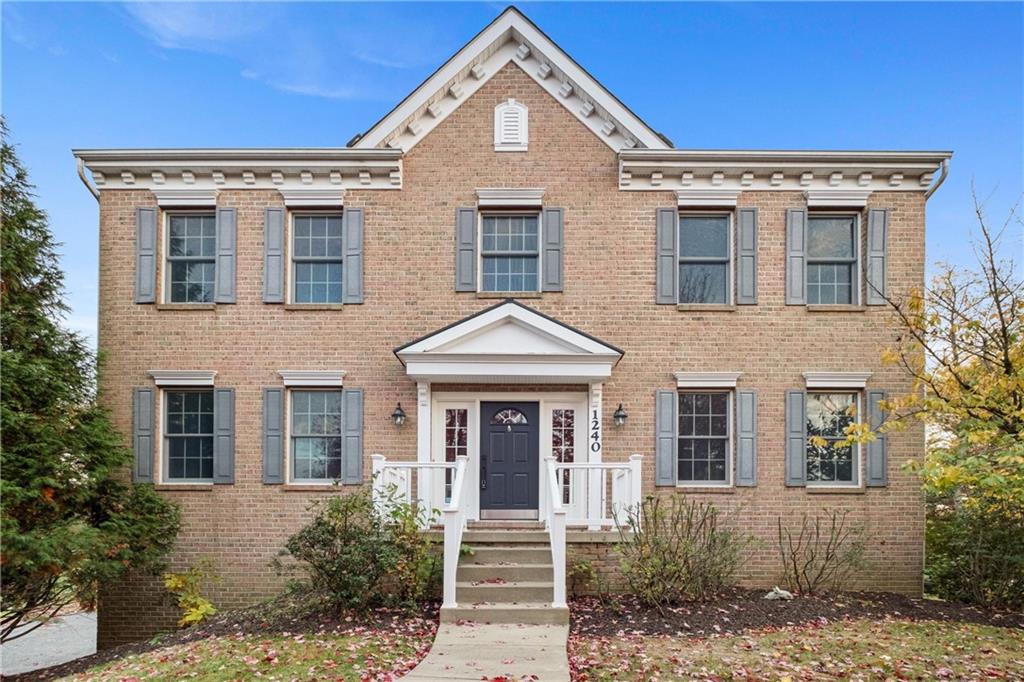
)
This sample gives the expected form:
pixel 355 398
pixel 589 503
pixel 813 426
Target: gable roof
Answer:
pixel 511 37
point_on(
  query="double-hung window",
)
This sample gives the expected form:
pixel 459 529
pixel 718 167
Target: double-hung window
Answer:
pixel 704 261
pixel 828 416
pixel 188 436
pixel 317 258
pixel 510 253
pixel 316 433
pixel 832 259
pixel 705 425
pixel 191 257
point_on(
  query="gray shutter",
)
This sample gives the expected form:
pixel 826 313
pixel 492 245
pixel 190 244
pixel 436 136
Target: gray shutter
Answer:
pixel 273 255
pixel 668 257
pixel 273 435
pixel 877 455
pixel 746 438
pixel 746 257
pixel 552 256
pixel 225 269
pixel 665 421
pixel 145 255
pixel 878 227
pixel 796 256
pixel 142 434
pixel 352 289
pixel 465 249
pixel 224 435
pixel 352 442
pixel 796 438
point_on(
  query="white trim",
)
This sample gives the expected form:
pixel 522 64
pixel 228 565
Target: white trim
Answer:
pixel 161 452
pixel 185 198
pixel 289 467
pixel 331 378
pixel 857 278
pixel 837 198
pixel 701 197
pixel 730 437
pixel 730 265
pixel 707 379
pixel 306 197
pixel 857 450
pixel 511 197
pixel 183 377
pixel 836 380
pixel 510 38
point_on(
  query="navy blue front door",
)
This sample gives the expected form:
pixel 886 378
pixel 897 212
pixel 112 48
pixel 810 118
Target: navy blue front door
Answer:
pixel 509 459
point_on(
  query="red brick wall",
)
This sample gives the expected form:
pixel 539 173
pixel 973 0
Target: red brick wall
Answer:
pixel 409 291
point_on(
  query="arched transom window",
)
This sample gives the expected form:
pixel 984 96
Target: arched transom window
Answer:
pixel 510 416
pixel 511 127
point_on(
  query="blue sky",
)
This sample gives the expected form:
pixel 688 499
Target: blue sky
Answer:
pixel 708 75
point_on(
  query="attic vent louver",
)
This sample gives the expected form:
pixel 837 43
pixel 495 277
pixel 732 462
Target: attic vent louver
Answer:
pixel 511 127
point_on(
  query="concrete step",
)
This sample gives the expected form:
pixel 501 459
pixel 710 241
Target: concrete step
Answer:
pixel 495 612
pixel 491 524
pixel 506 592
pixel 506 536
pixel 506 571
pixel 496 554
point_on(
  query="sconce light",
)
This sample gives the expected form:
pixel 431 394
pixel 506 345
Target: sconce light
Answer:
pixel 620 416
pixel 398 415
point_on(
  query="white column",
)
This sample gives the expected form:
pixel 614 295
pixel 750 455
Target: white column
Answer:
pixel 595 444
pixel 424 488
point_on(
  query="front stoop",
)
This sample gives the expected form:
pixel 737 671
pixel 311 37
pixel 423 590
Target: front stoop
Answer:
pixel 507 579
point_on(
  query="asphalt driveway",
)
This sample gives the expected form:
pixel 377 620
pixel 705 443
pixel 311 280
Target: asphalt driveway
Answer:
pixel 62 639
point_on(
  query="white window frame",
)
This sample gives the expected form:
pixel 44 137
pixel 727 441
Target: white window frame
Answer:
pixel 163 463
pixel 856 279
pixel 165 260
pixel 730 274
pixel 289 477
pixel 289 251
pixel 858 395
pixel 498 213
pixel 730 438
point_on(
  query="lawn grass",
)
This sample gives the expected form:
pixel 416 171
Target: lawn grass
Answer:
pixel 888 648
pixel 351 656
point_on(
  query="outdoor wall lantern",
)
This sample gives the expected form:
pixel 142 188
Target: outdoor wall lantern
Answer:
pixel 398 415
pixel 620 416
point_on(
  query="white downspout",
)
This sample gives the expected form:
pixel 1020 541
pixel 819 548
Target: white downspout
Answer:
pixel 85 181
pixel 942 178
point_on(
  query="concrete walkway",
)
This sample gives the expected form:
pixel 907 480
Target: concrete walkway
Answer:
pixel 475 651
pixel 61 640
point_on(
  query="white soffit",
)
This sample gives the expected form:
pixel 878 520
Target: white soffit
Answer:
pixel 510 197
pixel 312 378
pixel 171 198
pixel 510 38
pixel 300 197
pixel 182 377
pixel 836 379
pixel 707 379
pixel 509 342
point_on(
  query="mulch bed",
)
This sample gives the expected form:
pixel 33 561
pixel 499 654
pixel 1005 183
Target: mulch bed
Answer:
pixel 293 614
pixel 738 610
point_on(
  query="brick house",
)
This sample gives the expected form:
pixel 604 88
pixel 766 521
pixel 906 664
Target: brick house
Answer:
pixel 563 310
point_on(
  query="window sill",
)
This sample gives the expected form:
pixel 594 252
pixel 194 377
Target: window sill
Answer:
pixel 705 308
pixel 186 306
pixel 835 490
pixel 836 308
pixel 508 294
pixel 314 306
pixel 184 487
pixel 313 487
pixel 707 489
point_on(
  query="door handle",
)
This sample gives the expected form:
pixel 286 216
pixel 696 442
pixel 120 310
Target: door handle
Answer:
pixel 483 476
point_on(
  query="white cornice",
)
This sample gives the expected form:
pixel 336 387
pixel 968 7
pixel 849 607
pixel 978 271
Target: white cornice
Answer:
pixel 707 379
pixel 700 197
pixel 511 38
pixel 208 169
pixel 509 197
pixel 300 197
pixel 182 377
pixel 312 378
pixel 169 198
pixel 836 379
pixel 760 170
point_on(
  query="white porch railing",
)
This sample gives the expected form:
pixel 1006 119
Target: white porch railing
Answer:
pixel 394 481
pixel 594 508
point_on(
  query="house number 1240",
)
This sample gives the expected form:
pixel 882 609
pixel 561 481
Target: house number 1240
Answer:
pixel 595 433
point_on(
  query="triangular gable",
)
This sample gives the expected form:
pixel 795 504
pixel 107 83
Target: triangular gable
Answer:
pixel 511 38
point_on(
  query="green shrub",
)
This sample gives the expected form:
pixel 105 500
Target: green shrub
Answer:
pixel 822 554
pixel 674 550
pixel 357 553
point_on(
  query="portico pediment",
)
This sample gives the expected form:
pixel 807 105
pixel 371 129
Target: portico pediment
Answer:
pixel 510 343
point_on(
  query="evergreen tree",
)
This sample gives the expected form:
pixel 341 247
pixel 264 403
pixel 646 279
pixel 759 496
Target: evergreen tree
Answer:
pixel 69 521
